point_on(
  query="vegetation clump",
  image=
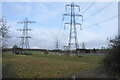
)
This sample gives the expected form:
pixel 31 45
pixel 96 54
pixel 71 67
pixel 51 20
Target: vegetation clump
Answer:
pixel 112 60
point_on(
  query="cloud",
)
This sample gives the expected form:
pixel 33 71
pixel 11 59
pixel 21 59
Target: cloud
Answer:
pixel 45 31
pixel 35 47
pixel 57 0
pixel 45 38
pixel 44 13
pixel 96 44
pixel 16 9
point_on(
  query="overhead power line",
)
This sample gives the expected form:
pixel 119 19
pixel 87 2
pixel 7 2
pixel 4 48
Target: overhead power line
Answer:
pixel 103 21
pixel 103 8
pixel 90 6
pixel 85 5
pixel 107 19
pixel 99 10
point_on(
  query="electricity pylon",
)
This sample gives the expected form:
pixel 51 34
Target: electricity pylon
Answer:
pixel 57 44
pixel 24 44
pixel 83 45
pixel 73 33
pixel 65 48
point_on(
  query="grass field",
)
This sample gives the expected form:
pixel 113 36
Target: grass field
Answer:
pixel 40 65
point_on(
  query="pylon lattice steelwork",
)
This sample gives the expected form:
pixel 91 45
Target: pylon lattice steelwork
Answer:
pixel 57 44
pixel 83 45
pixel 65 48
pixel 73 33
pixel 24 43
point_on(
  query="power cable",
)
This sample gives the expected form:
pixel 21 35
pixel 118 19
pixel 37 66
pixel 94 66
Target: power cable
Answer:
pixel 103 21
pixel 90 6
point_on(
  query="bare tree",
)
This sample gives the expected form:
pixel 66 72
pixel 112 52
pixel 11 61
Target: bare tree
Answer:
pixel 4 34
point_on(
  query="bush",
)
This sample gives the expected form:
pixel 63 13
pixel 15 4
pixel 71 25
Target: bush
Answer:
pixel 112 60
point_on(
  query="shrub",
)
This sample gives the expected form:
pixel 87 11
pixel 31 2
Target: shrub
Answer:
pixel 112 60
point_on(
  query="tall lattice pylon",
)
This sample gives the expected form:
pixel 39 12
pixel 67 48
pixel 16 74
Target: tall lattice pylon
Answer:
pixel 24 43
pixel 73 23
pixel 83 45
pixel 57 44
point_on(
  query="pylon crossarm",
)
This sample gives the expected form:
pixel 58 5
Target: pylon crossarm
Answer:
pixel 77 24
pixel 4 29
pixel 24 29
pixel 20 22
pixel 66 15
pixel 68 5
pixel 31 22
pixel 26 22
pixel 21 37
pixel 63 16
pixel 77 6
pixel 28 29
pixel 78 15
pixel 20 29
pixel 80 25
pixel 28 37
pixel 66 24
pixel 25 37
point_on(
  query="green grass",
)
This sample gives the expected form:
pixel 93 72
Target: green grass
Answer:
pixel 40 65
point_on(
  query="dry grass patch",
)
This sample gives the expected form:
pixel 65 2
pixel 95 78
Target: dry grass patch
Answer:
pixel 49 66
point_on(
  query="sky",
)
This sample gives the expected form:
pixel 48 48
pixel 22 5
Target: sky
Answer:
pixel 49 24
